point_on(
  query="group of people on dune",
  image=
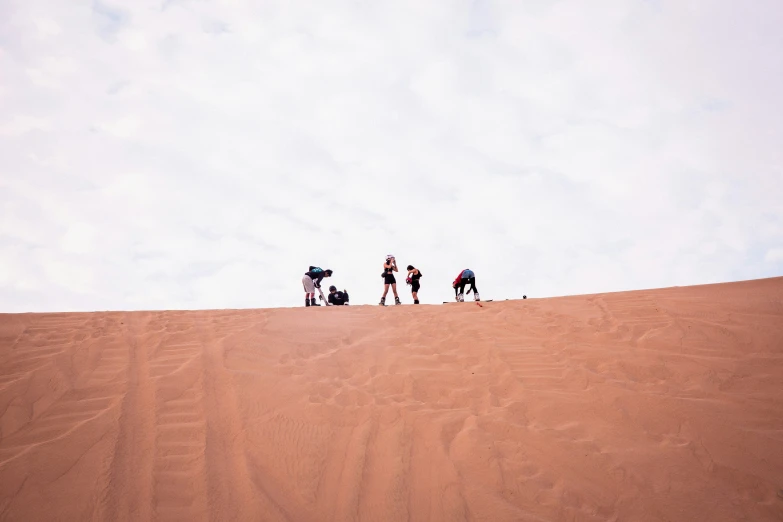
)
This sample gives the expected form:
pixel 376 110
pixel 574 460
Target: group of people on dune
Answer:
pixel 313 277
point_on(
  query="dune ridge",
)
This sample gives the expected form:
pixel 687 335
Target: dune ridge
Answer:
pixel 647 405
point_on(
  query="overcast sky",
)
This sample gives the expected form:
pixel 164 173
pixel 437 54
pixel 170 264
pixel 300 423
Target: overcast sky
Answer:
pixel 202 154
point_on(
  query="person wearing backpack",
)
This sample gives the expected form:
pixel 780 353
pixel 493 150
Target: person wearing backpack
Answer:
pixel 466 277
pixel 414 274
pixel 311 281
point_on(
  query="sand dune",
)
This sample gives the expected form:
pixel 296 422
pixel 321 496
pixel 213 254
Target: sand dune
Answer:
pixel 649 405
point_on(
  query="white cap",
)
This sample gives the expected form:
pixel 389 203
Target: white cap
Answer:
pixel 389 256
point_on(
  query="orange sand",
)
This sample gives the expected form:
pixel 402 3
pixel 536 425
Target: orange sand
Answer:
pixel 635 406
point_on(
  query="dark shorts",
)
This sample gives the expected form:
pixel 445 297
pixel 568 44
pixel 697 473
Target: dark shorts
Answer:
pixel 415 285
pixel 388 279
pixel 460 288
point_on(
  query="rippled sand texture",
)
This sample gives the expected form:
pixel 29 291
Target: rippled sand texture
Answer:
pixel 648 405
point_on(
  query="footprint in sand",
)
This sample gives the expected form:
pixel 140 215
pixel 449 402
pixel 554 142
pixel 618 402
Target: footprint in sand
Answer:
pixel 529 471
pixel 352 397
pixel 327 391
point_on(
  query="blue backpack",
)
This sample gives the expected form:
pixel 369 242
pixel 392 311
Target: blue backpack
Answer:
pixel 316 269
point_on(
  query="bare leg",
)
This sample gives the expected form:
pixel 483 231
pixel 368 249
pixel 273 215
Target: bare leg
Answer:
pixel 394 289
pixel 386 290
pixel 415 295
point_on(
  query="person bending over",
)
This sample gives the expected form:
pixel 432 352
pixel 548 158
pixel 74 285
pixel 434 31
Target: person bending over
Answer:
pixel 413 279
pixel 466 277
pixel 337 298
pixel 311 281
pixel 389 267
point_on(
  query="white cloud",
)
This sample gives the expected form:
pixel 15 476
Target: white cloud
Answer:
pixel 22 124
pixel 183 154
pixel 774 255
pixel 79 239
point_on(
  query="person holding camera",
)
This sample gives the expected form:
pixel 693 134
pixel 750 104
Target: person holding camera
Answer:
pixel 389 267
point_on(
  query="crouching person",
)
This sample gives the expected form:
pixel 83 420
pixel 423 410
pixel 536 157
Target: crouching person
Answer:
pixel 466 277
pixel 337 298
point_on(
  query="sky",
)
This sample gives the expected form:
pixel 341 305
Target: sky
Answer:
pixel 192 154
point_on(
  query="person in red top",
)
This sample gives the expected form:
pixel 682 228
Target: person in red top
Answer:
pixel 463 279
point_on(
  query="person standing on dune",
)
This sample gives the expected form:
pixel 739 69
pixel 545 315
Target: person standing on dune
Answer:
pixel 464 278
pixel 413 279
pixel 311 281
pixel 389 267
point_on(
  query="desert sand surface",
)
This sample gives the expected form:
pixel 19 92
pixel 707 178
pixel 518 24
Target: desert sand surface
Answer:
pixel 660 405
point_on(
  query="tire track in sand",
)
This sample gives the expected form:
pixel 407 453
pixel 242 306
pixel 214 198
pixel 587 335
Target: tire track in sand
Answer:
pixel 180 484
pixel 129 492
pixel 231 489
